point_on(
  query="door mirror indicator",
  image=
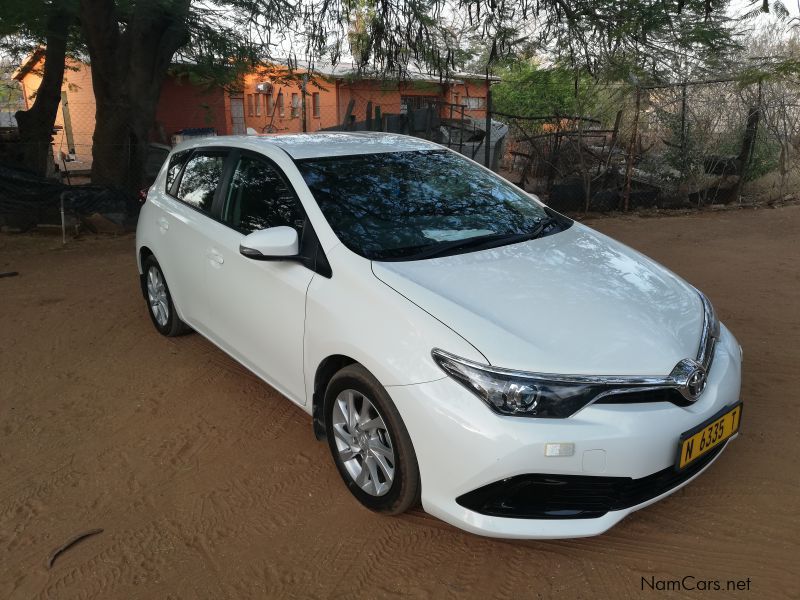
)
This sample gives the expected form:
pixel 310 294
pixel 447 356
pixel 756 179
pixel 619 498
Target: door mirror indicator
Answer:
pixel 275 243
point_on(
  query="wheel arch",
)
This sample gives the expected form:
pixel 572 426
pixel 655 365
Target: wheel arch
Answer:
pixel 325 371
pixel 143 254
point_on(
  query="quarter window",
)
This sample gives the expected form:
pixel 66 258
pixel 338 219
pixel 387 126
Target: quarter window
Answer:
pixel 175 164
pixel 259 198
pixel 200 180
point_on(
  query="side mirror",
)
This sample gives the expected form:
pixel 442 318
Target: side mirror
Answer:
pixel 275 243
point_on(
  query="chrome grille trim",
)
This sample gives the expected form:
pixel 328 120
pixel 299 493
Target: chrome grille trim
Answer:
pixel 710 334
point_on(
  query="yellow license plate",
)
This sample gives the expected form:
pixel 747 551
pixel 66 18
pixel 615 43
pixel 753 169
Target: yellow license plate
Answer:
pixel 702 439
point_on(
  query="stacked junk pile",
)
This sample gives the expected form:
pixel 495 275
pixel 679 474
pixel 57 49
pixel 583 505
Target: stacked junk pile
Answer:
pixel 672 146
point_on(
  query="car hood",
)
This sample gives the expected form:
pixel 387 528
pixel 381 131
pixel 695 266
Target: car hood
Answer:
pixel 575 302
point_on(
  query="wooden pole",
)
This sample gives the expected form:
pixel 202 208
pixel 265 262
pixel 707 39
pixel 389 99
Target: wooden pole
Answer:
pixel 748 142
pixel 303 101
pixel 488 139
pixel 683 119
pixel 631 152
pixel 450 125
pixel 347 113
pixel 615 131
pixel 461 137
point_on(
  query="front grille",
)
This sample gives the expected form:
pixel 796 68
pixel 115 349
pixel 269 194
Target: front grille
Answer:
pixel 660 395
pixel 540 496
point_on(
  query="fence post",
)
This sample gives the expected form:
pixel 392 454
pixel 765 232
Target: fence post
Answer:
pixel 615 132
pixel 461 137
pixel 748 142
pixel 683 118
pixel 303 99
pixel 488 139
pixel 684 159
pixel 631 152
pixel 347 113
pixel 450 125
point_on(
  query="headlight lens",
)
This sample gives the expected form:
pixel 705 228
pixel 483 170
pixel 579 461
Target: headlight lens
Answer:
pixel 517 395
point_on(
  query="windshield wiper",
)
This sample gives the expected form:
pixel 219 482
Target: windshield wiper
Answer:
pixel 482 242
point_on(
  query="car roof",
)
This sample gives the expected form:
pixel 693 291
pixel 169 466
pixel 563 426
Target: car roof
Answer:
pixel 316 145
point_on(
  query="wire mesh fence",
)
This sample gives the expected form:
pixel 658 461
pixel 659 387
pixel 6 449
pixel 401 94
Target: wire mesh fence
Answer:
pixel 627 147
pixel 673 145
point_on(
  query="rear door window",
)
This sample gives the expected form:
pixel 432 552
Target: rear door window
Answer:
pixel 201 178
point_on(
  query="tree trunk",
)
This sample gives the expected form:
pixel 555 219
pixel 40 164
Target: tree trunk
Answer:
pixel 36 124
pixel 128 68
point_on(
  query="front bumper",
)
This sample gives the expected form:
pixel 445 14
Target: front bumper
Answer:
pixel 462 447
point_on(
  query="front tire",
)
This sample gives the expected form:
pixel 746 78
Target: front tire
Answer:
pixel 159 301
pixel 369 442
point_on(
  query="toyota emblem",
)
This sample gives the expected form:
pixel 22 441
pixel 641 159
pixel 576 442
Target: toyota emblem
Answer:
pixel 696 383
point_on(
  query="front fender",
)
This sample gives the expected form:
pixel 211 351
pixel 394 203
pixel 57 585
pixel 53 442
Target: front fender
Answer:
pixel 356 315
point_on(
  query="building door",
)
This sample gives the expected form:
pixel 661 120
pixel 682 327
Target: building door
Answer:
pixel 237 115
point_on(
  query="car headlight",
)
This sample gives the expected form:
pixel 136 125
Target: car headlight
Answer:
pixel 519 394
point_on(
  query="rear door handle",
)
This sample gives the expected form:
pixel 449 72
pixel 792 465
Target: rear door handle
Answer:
pixel 215 257
pixel 163 224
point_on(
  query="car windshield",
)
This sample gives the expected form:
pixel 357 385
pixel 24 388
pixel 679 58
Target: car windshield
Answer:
pixel 421 204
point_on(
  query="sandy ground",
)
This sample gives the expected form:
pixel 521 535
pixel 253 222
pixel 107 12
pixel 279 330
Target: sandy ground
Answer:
pixel 208 484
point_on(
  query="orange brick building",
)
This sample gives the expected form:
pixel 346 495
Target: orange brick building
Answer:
pixel 270 101
pixel 272 98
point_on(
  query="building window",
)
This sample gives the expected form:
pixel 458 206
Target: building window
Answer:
pixel 408 103
pixel 295 105
pixel 249 105
pixel 270 104
pixel 473 103
pixel 257 102
pixel 456 98
pixel 281 109
pixel 315 103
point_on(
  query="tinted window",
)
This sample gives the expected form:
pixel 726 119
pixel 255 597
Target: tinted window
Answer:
pixel 259 198
pixel 403 205
pixel 200 179
pixel 173 170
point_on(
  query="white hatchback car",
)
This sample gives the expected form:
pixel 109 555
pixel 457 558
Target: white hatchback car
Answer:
pixel 455 340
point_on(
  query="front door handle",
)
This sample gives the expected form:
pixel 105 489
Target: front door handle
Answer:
pixel 163 224
pixel 215 257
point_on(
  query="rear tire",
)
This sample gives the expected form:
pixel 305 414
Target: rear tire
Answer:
pixel 160 306
pixel 370 443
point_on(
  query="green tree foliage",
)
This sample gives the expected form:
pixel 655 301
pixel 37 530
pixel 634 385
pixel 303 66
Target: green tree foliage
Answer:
pixel 132 44
pixel 529 90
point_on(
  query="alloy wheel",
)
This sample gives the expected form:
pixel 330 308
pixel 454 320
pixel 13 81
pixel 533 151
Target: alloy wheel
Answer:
pixel 363 442
pixel 157 296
